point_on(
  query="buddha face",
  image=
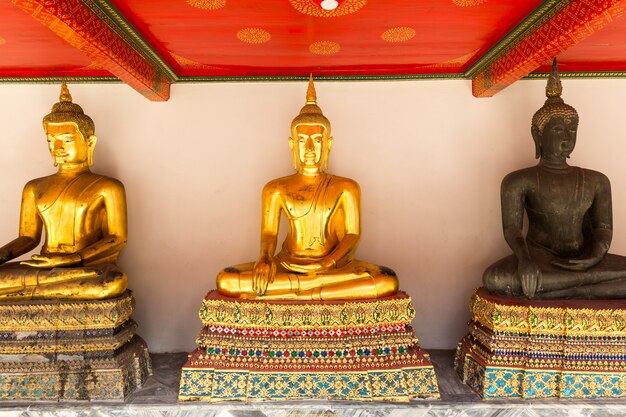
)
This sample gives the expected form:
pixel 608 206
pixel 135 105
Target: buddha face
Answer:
pixel 559 137
pixel 310 145
pixel 67 144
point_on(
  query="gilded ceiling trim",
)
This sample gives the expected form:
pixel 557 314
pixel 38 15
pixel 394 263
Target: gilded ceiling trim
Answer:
pixel 57 80
pixel 129 34
pixel 262 78
pixel 399 77
pixel 578 74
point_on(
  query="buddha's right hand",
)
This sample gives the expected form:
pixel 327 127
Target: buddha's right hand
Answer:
pixel 530 277
pixel 262 274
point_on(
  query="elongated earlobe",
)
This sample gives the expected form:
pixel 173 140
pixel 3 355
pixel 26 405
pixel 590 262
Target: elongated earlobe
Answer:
pixel 91 144
pixel 329 145
pixel 534 130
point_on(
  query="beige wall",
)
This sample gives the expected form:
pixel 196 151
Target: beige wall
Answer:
pixel 429 158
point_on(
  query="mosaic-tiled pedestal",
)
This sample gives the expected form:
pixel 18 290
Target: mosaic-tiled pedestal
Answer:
pixel 541 349
pixel 269 350
pixel 70 350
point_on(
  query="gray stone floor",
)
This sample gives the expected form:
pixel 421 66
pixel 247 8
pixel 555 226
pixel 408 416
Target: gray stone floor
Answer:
pixel 158 398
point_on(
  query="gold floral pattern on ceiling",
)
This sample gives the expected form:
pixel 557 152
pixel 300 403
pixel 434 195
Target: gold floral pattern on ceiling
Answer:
pixel 313 8
pixel 253 35
pixel 468 3
pixel 207 4
pixel 324 48
pixel 398 34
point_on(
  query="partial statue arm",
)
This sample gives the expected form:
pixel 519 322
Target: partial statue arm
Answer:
pixel 601 217
pixel 111 243
pixel 512 194
pixel 30 228
pixel 350 202
pixel 265 266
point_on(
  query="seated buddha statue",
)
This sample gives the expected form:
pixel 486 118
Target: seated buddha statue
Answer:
pixel 564 253
pixel 316 261
pixel 83 215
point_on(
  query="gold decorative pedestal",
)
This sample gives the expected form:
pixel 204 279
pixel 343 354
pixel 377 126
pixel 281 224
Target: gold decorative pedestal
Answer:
pixel 70 350
pixel 254 350
pixel 542 349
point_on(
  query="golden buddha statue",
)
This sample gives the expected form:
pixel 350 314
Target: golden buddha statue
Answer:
pixel 323 213
pixel 83 214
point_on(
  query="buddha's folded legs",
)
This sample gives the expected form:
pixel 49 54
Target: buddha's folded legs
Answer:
pixel 20 282
pixel 608 289
pixel 357 280
pixel 502 278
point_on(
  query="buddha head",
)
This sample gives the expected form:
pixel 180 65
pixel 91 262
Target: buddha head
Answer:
pixel 70 132
pixel 310 140
pixel 555 124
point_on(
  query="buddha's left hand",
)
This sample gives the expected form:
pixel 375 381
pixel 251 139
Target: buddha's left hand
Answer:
pixel 578 264
pixel 51 261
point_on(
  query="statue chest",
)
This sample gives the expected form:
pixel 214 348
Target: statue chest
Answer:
pixel 69 211
pixel 562 196
pixel 309 217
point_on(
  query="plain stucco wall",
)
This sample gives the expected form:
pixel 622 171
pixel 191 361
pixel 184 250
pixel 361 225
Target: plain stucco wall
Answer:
pixel 428 156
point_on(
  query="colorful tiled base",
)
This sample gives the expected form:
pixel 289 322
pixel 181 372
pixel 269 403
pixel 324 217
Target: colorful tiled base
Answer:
pixel 70 350
pixel 541 349
pixel 91 379
pixel 268 350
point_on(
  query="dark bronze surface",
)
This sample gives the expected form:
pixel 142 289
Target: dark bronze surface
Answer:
pixel 565 251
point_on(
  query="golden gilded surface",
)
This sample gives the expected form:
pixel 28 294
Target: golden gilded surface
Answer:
pixel 82 213
pixel 66 315
pixel 398 34
pixel 313 8
pixel 392 310
pixel 254 35
pixel 561 321
pixel 324 48
pixel 323 211
pixel 207 4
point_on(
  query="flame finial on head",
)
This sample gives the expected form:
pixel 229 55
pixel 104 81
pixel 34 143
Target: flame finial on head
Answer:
pixel 65 96
pixel 311 95
pixel 554 88
pixel 311 113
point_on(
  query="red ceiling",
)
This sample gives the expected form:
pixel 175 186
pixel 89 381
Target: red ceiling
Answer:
pixel 150 43
pixel 204 42
pixel 29 49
